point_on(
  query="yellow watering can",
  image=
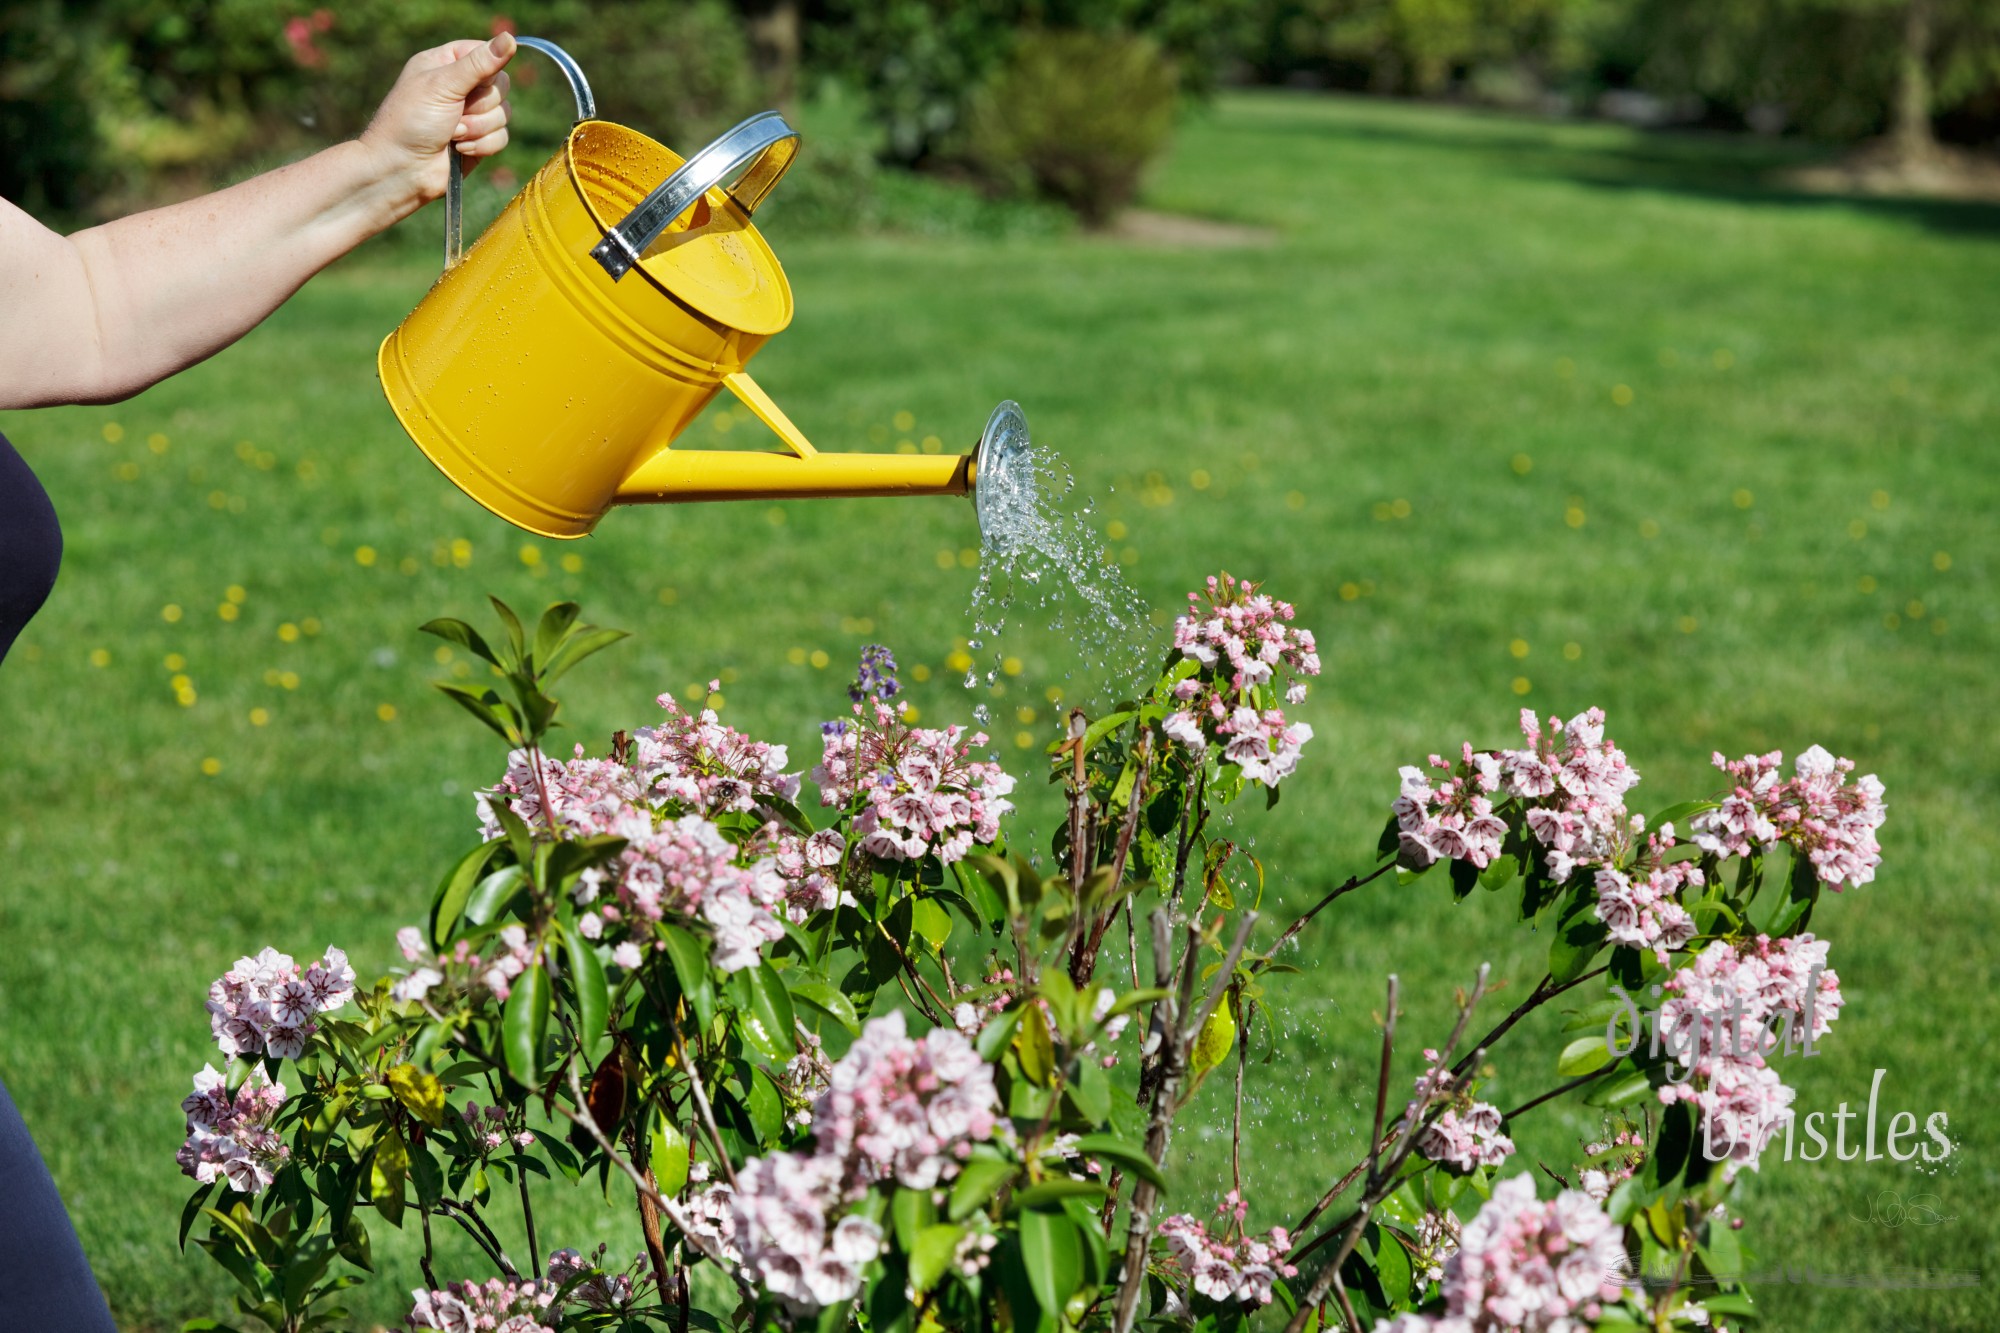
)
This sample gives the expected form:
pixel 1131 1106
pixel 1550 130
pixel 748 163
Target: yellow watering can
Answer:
pixel 552 366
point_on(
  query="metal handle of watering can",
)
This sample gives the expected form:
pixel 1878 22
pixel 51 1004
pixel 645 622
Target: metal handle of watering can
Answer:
pixel 454 185
pixel 761 148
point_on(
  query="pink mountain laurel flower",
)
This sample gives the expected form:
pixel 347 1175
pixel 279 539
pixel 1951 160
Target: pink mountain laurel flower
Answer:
pixel 1242 1270
pixel 693 762
pixel 1236 639
pixel 919 791
pixel 1818 812
pixel 265 1005
pixel 1523 1266
pixel 1468 1139
pixel 499 1305
pixel 1735 1005
pixel 595 1288
pixel 229 1137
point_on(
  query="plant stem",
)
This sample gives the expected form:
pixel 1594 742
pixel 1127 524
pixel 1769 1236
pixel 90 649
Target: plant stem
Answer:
pixel 528 1217
pixel 1353 883
pixel 430 1275
pixel 1556 1092
pixel 475 1226
pixel 1545 990
pixel 701 1109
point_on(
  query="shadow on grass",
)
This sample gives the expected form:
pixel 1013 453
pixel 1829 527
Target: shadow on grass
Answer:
pixel 1728 168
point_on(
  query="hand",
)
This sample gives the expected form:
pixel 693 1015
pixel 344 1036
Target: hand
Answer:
pixel 449 98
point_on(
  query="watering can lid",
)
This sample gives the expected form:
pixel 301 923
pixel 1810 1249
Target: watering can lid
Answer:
pixel 713 258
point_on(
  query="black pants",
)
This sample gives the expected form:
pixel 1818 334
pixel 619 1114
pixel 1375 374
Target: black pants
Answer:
pixel 45 1283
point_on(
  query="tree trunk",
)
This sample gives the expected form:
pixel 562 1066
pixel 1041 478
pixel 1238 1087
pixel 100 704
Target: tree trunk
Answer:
pixel 1910 132
pixel 774 44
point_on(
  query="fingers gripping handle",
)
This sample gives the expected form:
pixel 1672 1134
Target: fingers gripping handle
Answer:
pixel 761 149
pixel 454 186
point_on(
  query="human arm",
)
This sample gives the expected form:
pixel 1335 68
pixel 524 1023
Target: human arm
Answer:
pixel 97 316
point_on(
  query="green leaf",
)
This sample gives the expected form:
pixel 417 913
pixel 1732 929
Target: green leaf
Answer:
pixel 525 1024
pixel 196 1202
pixel 487 706
pixel 586 979
pixel 669 1155
pixel 826 999
pixel 1122 1153
pixel 993 1037
pixel 1055 1190
pixel 426 1176
pixel 419 1091
pixel 978 1181
pixel 455 889
pixel 929 920
pixel 690 960
pixel 1053 1257
pixel 1103 727
pixel 515 636
pixel 931 1254
pixel 390 1169
pixel 1037 1053
pixel 910 1212
pixel 1579 937
pixel 1091 1091
pixel 1392 1269
pixel 1499 873
pixel 460 633
pixel 767 1016
pixel 551 631
pixel 1618 1090
pixel 494 894
pixel 1582 1056
pixel 587 643
pixel 1673 814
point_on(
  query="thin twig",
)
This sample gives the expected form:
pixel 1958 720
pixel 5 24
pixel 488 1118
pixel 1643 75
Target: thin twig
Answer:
pixel 1338 891
pixel 666 1205
pixel 1558 1091
pixel 475 1226
pixel 528 1215
pixel 430 1276
pixel 1544 991
pixel 702 1109
pixel 1382 1085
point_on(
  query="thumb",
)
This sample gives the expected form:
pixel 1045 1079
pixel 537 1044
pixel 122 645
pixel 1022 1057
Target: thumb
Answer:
pixel 461 76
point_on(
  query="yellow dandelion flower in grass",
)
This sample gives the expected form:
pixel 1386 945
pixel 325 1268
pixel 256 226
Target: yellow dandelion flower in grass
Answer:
pixel 309 626
pixel 211 766
pixel 1879 499
pixel 1937 624
pixel 441 654
pixel 1522 464
pixel 364 556
pixel 1866 583
pixel 1574 515
pixel 1572 651
pixel 1129 556
pixel 181 683
pixel 308 470
pixel 1053 694
pixel 461 552
pixel 1914 610
pixel 1522 685
pixel 1892 620
pixel 819 659
pixel 1012 666
pixel 906 446
pixel 1024 740
pixel 259 716
pixel 288 633
pixel 387 712
pixel 1519 648
pixel 1857 528
pixel 246 451
pixel 911 713
pixel 668 596
pixel 1199 479
pixel 1621 395
pixel 531 555
pixel 218 499
pixel 1941 561
pixel 1295 499
pixel 127 471
pixel 100 657
pixel 113 432
pixel 1649 528
pixel 947 558
pixel 1565 368
pixel 932 444
pixel 273 677
pixel 796 656
pixel 1116 530
pixel 905 420
pixel 1024 714
pixel 1688 624
pixel 921 672
pixel 173 662
pixel 1723 358
pixel 185 697
pixel 968 557
pixel 289 679
pixel 572 563
pixel 775 516
pixel 1349 591
pixel 235 592
pixel 1742 498
pixel 407 565
pixel 717 702
pixel 229 611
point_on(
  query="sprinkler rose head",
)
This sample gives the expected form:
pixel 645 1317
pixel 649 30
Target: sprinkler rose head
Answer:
pixel 1002 474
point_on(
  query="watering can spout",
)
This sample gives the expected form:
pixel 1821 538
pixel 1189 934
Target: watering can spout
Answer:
pixel 680 476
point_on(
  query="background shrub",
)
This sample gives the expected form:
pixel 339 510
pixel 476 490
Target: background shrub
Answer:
pixel 1078 115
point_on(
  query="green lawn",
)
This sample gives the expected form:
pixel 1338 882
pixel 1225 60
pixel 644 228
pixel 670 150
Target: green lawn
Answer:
pixel 1506 407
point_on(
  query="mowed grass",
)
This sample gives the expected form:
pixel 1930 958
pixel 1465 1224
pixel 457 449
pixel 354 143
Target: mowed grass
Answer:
pixel 1516 414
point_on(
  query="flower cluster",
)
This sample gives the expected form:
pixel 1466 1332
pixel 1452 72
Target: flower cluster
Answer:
pixel 920 791
pixel 1617 1158
pixel 1238 637
pixel 1573 782
pixel 1452 820
pixel 1642 908
pixel 809 864
pixel 693 761
pixel 1822 815
pixel 1724 1014
pixel 876 678
pixel 1464 1141
pixel 1222 1270
pixel 499 1306
pixel 495 971
pixel 596 1289
pixel 1523 1266
pixel 896 1109
pixel 230 1137
pixel 1437 1241
pixel 488 1127
pixel 687 867
pixel 265 1005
